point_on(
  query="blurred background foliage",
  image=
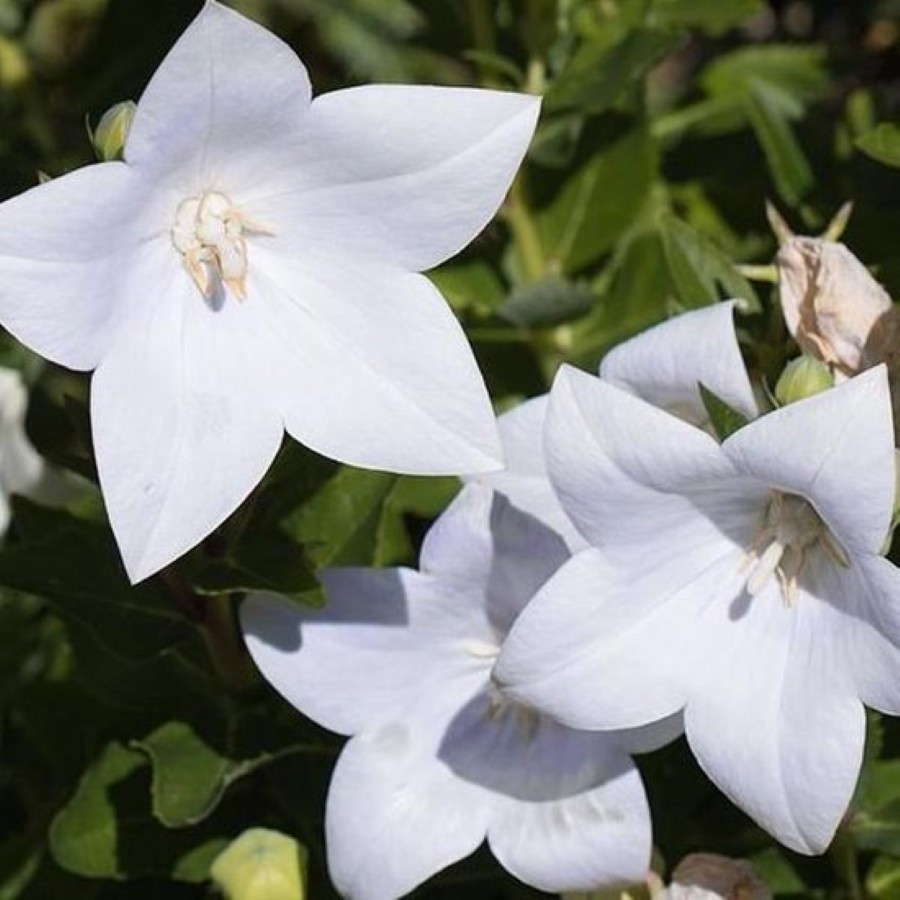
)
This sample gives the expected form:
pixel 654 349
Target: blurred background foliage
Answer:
pixel 135 739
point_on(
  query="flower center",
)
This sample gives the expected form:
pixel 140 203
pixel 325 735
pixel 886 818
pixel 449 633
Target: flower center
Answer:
pixel 499 707
pixel 789 531
pixel 209 233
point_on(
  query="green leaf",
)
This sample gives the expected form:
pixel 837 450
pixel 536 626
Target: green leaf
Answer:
pixel 189 778
pixel 344 522
pixel 599 202
pixel 598 75
pixel 700 271
pixel 106 830
pixel 883 879
pixel 470 285
pixel 790 169
pixel 75 565
pixel 797 70
pixel 878 829
pixel 550 301
pixel 84 834
pixel 712 16
pixel 194 865
pixel 725 419
pixel 267 562
pixel 775 869
pixel 882 143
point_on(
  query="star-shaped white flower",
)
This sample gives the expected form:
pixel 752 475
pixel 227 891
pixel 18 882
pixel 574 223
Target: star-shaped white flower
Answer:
pixel 252 266
pixel 740 583
pixel 440 759
pixel 664 365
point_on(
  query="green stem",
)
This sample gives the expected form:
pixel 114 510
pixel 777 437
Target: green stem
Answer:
pixel 224 644
pixel 216 621
pixel 846 864
pixel 484 33
pixel 525 233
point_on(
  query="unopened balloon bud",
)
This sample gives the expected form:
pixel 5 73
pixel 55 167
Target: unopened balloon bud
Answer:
pixel 14 68
pixel 830 301
pixel 112 131
pixel 261 864
pixel 801 378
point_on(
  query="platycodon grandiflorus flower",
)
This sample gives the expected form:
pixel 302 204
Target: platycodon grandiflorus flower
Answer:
pixel 253 266
pixel 439 758
pixel 740 582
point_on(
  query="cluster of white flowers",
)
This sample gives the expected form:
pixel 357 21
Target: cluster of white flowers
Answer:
pixel 252 266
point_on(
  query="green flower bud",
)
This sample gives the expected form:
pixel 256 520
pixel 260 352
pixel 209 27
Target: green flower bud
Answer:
pixel 112 131
pixel 14 66
pixel 261 865
pixel 802 377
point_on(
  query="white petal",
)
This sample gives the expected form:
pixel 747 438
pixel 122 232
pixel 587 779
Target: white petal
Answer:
pixel 182 423
pixel 386 640
pixel 665 364
pixel 859 616
pixel 610 649
pixel 396 816
pixel 774 719
pixel 403 173
pixel 225 91
pixel 524 481
pixel 372 367
pixel 500 553
pixel 65 252
pixel 837 450
pixel 570 808
pixel 584 839
pixel 628 473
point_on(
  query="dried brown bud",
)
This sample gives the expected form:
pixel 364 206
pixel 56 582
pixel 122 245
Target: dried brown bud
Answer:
pixel 707 876
pixel 830 301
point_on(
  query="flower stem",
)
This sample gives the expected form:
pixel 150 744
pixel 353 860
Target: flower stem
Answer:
pixel 846 864
pixel 482 20
pixel 226 649
pixel 525 233
pixel 215 619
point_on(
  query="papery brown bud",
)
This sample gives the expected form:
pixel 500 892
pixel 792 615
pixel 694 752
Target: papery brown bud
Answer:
pixel 830 301
pixel 707 876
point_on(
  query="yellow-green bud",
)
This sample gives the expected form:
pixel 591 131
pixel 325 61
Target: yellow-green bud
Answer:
pixel 801 378
pixel 261 865
pixel 14 67
pixel 112 131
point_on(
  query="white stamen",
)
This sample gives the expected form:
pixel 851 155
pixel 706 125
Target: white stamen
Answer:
pixel 209 233
pixel 765 568
pixel 790 530
pixel 481 649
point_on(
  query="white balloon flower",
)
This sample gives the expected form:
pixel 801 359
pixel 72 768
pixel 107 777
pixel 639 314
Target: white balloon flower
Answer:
pixel 739 582
pixel 440 759
pixel 665 366
pixel 252 266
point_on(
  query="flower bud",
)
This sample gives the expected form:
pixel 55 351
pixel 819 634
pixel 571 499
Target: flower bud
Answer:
pixel 261 864
pixel 14 67
pixel 801 378
pixel 112 131
pixel 830 301
pixel 707 876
